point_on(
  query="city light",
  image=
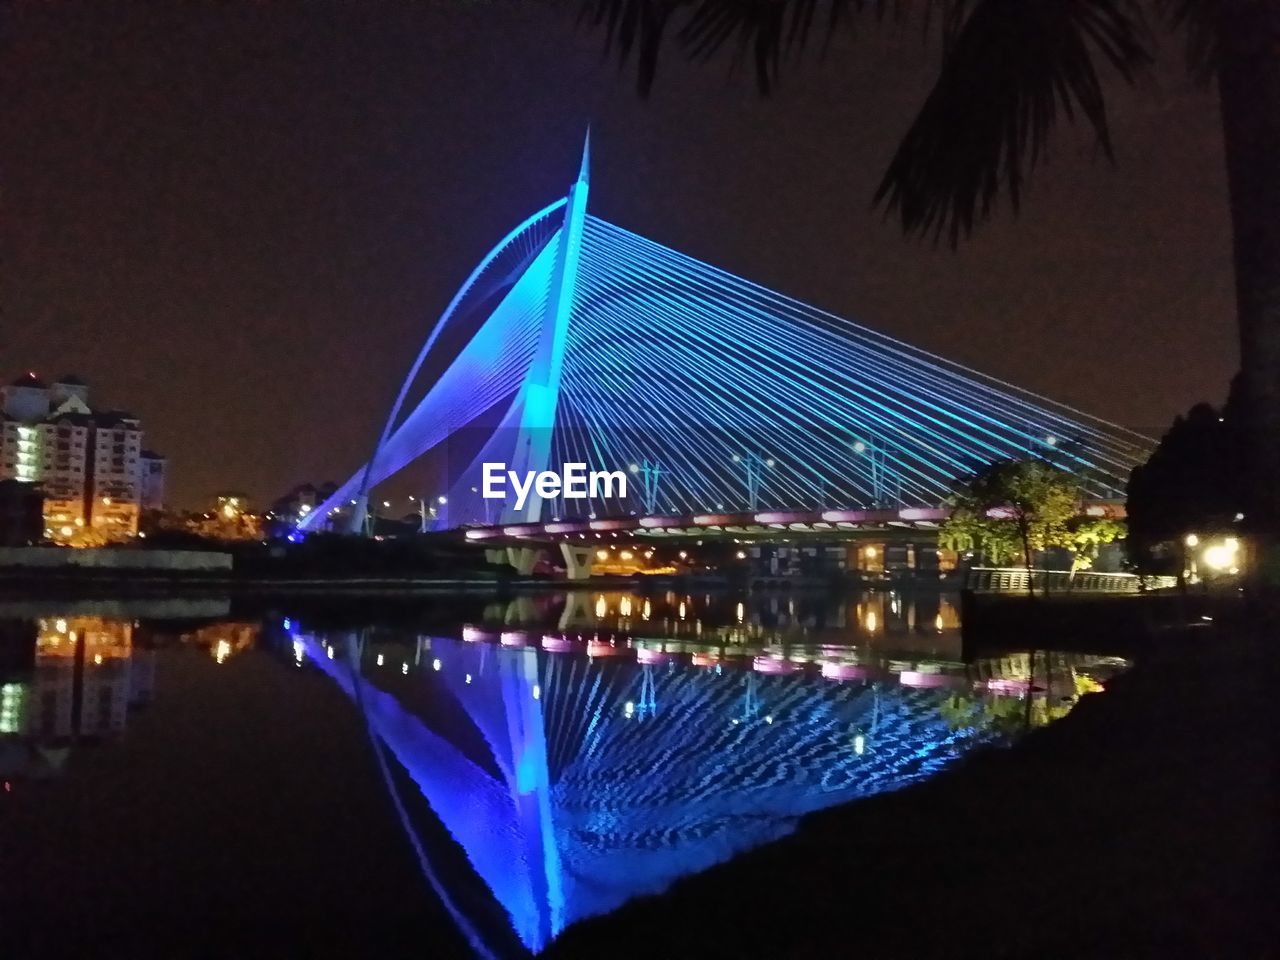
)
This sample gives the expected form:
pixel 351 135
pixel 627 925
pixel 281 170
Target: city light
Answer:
pixel 1221 556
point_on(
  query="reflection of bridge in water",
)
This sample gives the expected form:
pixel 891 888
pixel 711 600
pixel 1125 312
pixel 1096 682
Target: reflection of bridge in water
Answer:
pixel 857 616
pixel 579 773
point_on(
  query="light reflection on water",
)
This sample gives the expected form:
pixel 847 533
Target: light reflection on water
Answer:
pixel 586 748
pixel 630 740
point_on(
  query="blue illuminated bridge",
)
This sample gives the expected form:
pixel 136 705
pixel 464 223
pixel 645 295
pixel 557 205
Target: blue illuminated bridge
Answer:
pixel 577 341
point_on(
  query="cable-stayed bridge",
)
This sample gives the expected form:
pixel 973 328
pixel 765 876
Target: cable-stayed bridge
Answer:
pixel 585 343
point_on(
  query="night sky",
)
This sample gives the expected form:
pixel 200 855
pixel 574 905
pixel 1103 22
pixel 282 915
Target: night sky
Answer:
pixel 239 220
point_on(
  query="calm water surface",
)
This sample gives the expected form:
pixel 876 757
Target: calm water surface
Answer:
pixel 463 776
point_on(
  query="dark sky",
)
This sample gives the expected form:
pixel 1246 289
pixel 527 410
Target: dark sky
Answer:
pixel 239 220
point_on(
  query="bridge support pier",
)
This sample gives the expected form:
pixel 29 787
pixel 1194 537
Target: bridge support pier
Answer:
pixel 519 611
pixel 575 608
pixel 577 560
pixel 498 556
pixel 524 559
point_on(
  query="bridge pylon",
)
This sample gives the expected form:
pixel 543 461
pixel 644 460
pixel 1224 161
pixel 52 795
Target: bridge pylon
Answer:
pixel 533 411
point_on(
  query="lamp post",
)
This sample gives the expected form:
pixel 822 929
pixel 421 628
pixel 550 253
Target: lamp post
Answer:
pixel 487 505
pixel 649 471
pixel 755 464
pixel 877 453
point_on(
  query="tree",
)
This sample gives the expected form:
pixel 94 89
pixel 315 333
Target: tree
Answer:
pixel 1191 483
pixel 1013 506
pixel 1010 69
pixel 1086 536
pixel 972 531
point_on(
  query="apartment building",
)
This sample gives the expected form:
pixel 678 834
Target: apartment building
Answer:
pixel 90 464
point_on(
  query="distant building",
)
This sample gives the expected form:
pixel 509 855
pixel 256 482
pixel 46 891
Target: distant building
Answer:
pixel 284 514
pixel 151 471
pixel 91 465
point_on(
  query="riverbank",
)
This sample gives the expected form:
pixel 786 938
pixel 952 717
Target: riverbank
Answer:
pixel 1140 826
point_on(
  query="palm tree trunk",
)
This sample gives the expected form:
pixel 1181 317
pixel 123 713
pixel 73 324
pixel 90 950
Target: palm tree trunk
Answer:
pixel 1249 89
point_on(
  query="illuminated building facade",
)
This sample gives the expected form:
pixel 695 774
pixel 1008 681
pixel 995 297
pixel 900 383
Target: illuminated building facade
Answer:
pixel 91 465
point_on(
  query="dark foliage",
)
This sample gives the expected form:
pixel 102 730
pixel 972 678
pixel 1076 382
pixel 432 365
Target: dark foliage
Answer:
pixel 1193 482
pixel 1010 70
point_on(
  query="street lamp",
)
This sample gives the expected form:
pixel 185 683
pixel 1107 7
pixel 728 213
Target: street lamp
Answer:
pixel 877 456
pixel 649 471
pixel 755 464
pixel 1222 556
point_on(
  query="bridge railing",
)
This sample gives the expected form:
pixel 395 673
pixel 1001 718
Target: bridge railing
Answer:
pixel 1014 580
